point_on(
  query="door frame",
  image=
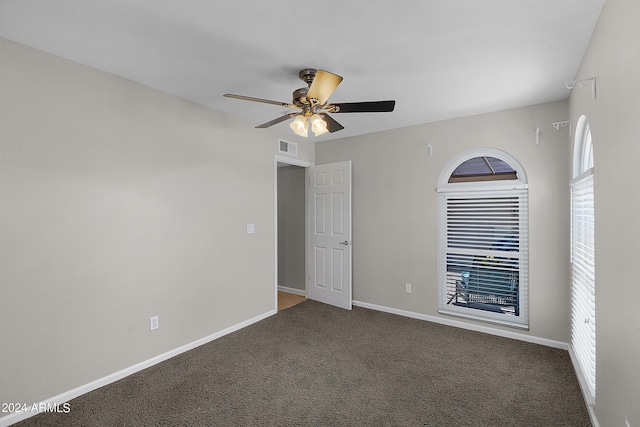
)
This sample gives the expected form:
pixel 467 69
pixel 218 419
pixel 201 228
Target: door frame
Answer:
pixel 304 164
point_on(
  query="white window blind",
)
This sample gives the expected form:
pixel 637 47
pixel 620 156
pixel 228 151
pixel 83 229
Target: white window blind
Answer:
pixel 583 325
pixel 483 255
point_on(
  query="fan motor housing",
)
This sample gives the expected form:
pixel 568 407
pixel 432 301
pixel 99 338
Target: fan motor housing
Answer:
pixel 300 96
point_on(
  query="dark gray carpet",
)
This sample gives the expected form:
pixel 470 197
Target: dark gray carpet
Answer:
pixel 316 365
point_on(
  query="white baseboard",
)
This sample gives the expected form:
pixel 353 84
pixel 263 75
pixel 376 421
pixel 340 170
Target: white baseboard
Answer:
pixel 592 416
pixel 458 324
pixel 295 291
pixel 79 391
pixel 588 399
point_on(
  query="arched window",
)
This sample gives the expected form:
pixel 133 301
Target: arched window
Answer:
pixel 582 148
pixel 583 296
pixel 483 238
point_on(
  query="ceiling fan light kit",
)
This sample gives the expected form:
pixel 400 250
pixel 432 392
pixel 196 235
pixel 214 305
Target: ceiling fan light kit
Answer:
pixel 318 126
pixel 300 126
pixel 312 103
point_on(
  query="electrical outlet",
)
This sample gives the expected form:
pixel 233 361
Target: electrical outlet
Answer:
pixel 407 288
pixel 153 323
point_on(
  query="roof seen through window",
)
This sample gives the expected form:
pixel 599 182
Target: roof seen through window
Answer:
pixel 481 169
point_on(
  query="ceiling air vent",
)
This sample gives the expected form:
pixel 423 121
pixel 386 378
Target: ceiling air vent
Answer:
pixel 290 148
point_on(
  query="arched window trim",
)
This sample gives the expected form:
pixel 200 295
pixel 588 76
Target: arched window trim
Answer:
pixel 447 171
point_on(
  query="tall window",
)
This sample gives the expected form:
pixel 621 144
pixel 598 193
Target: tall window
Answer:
pixel 583 303
pixel 483 238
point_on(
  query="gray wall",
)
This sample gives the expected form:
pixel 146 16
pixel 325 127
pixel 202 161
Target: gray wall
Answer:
pixel 291 227
pixel 394 207
pixel 120 202
pixel 613 57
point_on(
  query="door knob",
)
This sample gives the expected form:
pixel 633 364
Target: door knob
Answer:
pixel 346 242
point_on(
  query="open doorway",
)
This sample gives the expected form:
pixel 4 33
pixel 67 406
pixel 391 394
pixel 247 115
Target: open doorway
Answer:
pixel 290 224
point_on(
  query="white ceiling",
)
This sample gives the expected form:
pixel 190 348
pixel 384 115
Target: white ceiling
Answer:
pixel 438 59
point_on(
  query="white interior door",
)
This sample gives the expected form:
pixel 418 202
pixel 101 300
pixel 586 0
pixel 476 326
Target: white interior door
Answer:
pixel 330 234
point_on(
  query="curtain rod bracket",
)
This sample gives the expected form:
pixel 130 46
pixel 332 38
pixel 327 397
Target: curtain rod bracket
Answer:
pixel 582 83
pixel 558 125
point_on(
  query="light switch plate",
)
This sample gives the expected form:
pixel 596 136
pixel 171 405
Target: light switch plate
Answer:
pixel 251 228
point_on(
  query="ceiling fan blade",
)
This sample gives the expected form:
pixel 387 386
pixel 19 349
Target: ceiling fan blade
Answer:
pixel 276 121
pixel 332 125
pixel 264 101
pixel 365 107
pixel 323 85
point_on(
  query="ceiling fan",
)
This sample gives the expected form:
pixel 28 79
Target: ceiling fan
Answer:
pixel 311 101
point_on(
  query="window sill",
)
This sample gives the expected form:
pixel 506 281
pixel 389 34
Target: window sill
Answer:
pixel 485 319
